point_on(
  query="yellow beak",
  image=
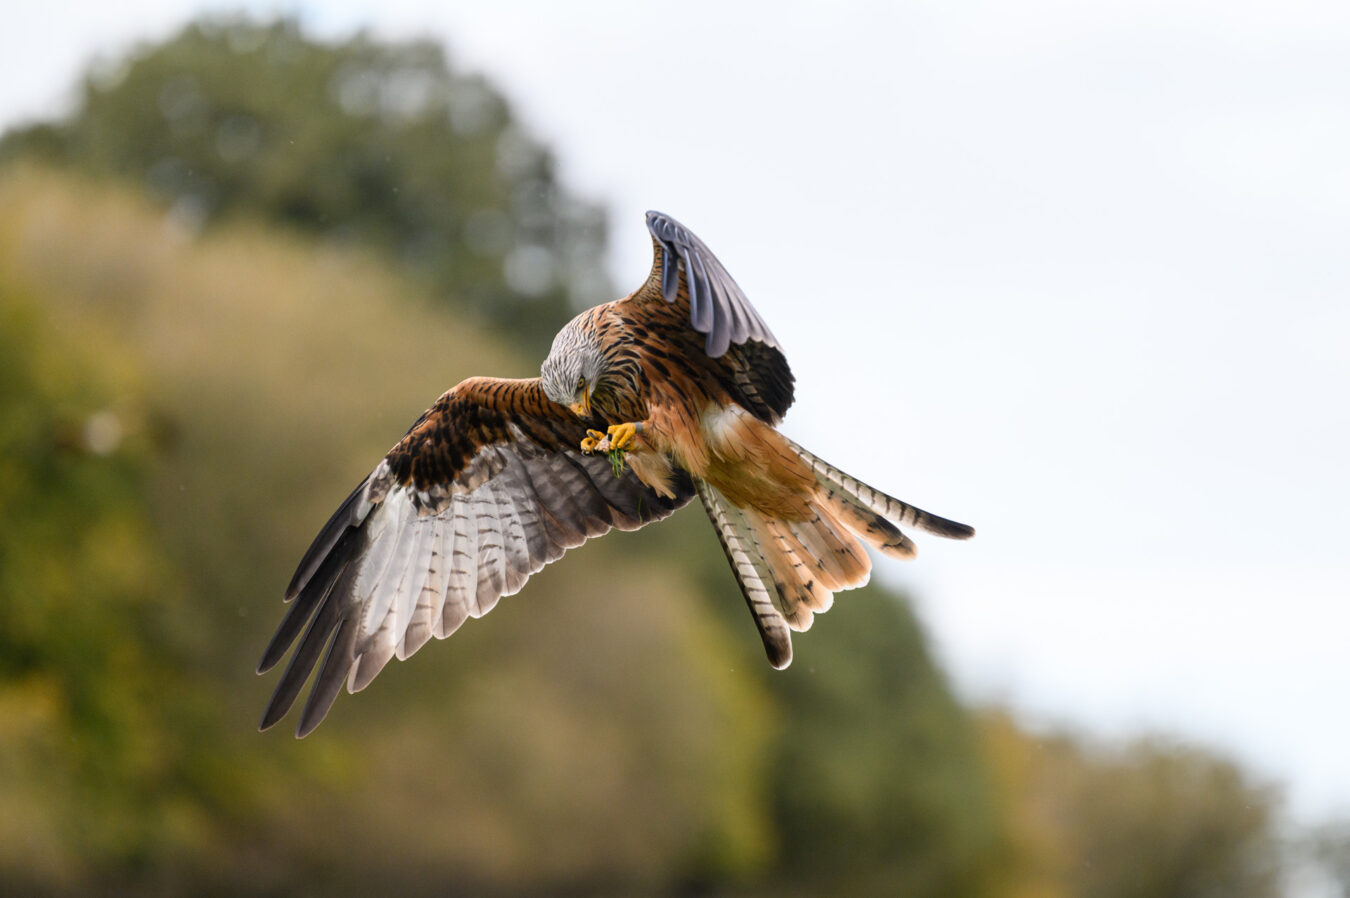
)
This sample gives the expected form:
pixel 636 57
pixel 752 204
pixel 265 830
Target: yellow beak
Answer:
pixel 582 409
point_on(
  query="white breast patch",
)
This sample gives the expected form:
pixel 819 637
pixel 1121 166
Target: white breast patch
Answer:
pixel 720 423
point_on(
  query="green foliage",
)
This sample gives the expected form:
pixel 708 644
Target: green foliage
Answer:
pixel 381 145
pixel 1146 818
pixel 1204 827
pixel 878 781
pixel 100 707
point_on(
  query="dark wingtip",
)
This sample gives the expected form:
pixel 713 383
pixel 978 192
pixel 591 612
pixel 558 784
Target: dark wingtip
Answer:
pixel 314 714
pixel 337 662
pixel 274 712
pixel 275 651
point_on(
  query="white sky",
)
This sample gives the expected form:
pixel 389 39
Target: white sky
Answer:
pixel 1073 272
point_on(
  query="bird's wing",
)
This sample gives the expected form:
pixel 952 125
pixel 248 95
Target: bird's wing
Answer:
pixel 693 283
pixel 485 489
pixel 717 306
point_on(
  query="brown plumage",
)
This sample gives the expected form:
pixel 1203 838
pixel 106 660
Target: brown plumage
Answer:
pixel 499 478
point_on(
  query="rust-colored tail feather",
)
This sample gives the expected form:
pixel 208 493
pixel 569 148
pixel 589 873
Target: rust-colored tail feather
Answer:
pixel 800 589
pixel 790 570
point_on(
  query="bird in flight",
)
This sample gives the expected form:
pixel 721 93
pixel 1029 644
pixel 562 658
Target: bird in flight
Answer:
pixel 644 403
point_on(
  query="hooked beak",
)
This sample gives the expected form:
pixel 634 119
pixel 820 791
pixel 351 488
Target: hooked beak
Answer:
pixel 582 409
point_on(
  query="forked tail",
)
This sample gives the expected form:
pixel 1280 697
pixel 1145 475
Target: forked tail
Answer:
pixel 790 570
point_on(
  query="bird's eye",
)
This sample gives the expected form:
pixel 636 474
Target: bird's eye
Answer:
pixel 581 384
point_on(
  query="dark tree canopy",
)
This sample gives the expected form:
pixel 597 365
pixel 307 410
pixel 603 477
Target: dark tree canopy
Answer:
pixel 364 142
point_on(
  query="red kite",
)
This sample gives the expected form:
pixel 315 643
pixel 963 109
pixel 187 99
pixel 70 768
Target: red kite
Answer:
pixel 501 477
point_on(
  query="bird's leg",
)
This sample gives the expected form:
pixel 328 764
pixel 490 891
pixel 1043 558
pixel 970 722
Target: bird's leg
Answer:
pixel 619 438
pixel 621 435
pixel 616 443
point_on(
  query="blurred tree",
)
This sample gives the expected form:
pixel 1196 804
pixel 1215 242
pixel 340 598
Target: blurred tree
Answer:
pixel 103 767
pixel 878 782
pixel 378 144
pixel 1328 847
pixel 1147 819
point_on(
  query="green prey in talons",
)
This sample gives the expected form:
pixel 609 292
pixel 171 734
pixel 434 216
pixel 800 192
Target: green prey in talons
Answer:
pixel 616 443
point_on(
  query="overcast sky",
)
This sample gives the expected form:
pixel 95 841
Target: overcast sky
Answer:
pixel 1073 272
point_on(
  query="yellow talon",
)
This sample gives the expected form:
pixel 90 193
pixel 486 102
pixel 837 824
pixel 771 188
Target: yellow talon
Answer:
pixel 621 435
pixel 592 441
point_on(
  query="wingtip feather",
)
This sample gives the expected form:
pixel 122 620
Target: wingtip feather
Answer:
pixel 275 651
pixel 272 714
pixel 337 663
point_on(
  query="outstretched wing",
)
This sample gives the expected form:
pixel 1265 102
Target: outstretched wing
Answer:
pixel 701 294
pixel 485 489
pixel 717 306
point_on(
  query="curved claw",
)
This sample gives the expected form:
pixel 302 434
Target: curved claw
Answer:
pixel 591 443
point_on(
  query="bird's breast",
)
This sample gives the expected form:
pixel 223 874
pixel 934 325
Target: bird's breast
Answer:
pixel 723 427
pixel 752 464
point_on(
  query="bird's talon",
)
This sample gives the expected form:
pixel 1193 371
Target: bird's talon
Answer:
pixel 621 435
pixel 591 442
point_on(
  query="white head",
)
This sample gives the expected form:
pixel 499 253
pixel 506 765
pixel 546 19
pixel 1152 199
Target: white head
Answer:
pixel 572 368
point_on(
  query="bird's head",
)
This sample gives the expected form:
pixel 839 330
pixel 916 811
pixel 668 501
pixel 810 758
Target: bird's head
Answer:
pixel 573 368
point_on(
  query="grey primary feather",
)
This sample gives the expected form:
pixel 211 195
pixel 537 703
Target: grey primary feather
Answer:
pixel 328 683
pixel 310 597
pixel 717 305
pixel 670 273
pixel 321 626
pixel 349 514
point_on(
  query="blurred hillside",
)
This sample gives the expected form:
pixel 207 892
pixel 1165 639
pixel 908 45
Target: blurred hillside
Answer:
pixel 185 396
